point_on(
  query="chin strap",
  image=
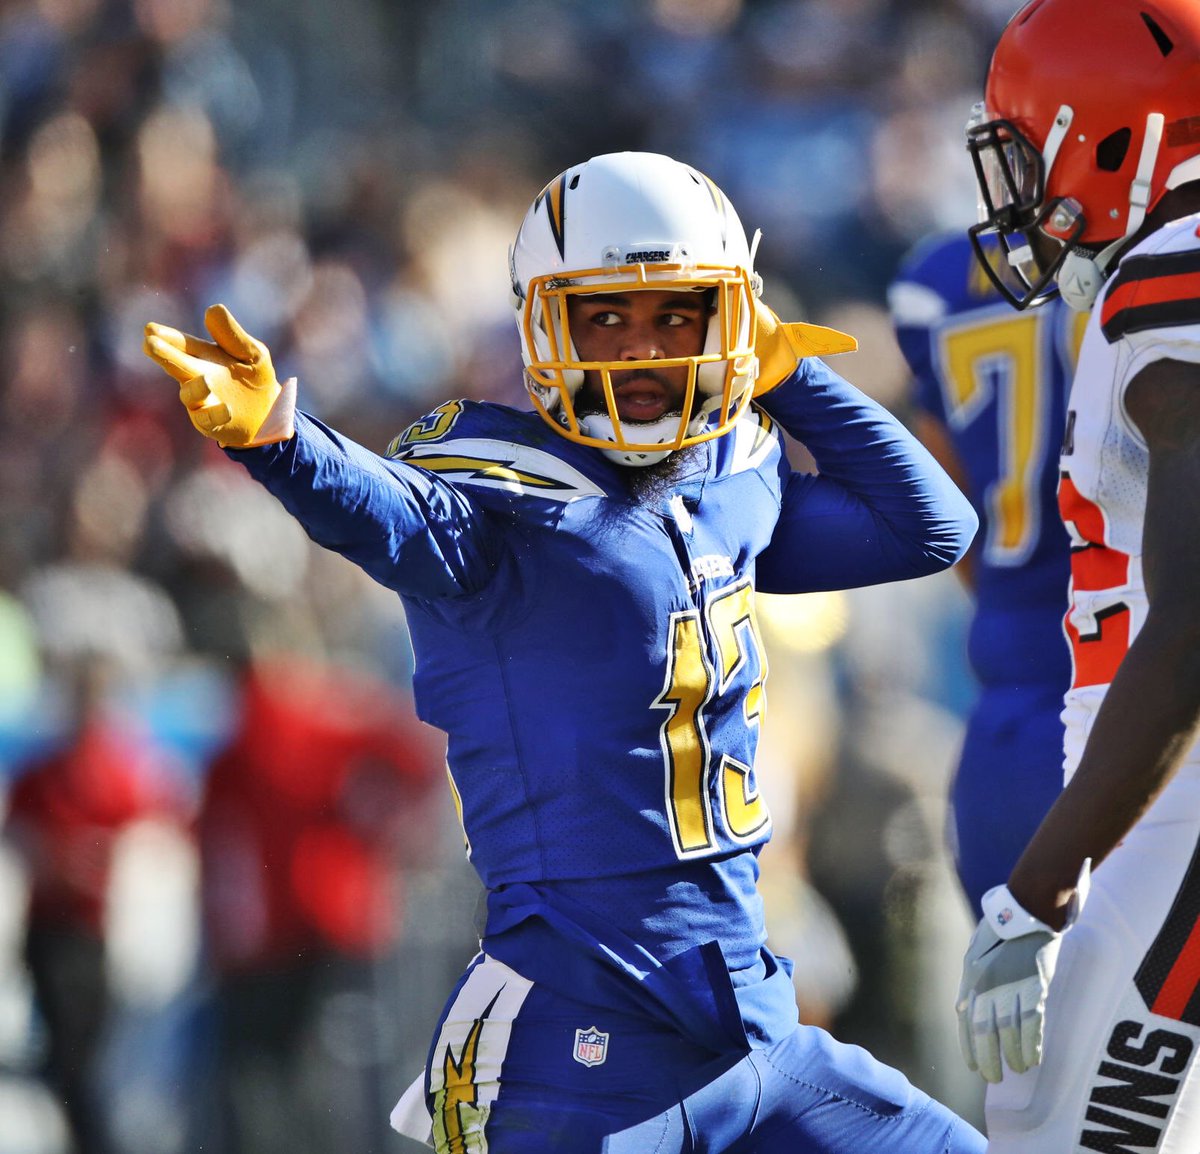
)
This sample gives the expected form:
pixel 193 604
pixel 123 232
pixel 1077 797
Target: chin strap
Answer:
pixel 1082 274
pixel 665 429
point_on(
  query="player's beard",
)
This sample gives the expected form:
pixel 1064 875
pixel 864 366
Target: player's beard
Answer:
pixel 650 484
pixel 646 484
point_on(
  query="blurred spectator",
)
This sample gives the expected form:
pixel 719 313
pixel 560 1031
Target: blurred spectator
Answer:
pixel 795 764
pixel 67 812
pixel 306 820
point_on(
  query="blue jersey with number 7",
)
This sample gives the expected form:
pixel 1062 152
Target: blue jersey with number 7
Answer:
pixel 996 380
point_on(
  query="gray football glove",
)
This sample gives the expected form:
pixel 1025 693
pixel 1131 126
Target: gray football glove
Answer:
pixel 1007 969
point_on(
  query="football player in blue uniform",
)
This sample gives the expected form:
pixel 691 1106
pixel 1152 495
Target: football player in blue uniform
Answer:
pixel 579 583
pixel 990 396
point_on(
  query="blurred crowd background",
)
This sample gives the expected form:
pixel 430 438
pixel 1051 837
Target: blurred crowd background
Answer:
pixel 232 892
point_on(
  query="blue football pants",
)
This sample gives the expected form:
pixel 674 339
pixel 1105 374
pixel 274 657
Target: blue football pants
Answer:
pixel 1010 771
pixel 518 1069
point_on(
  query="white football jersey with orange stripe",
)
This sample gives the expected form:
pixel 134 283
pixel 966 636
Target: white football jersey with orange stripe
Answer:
pixel 1121 1062
pixel 1149 311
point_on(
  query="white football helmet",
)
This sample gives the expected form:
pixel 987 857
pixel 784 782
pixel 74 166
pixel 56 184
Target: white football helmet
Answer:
pixel 618 223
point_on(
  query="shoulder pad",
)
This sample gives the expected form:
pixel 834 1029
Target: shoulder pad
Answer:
pixel 458 418
pixel 1156 286
pixel 750 444
pixel 493 447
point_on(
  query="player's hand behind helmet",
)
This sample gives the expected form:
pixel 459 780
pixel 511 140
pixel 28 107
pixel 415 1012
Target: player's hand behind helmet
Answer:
pixel 228 384
pixel 781 346
pixel 1001 1004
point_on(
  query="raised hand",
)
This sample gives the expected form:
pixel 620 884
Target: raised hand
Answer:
pixel 228 385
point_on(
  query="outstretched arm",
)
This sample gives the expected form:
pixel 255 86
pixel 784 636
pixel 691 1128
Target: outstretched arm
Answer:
pixel 408 529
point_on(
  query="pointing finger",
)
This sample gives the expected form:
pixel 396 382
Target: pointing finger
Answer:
pixel 165 333
pixel 185 342
pixel 183 366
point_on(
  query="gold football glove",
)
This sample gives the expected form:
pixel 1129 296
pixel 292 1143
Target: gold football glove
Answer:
pixel 228 384
pixel 781 346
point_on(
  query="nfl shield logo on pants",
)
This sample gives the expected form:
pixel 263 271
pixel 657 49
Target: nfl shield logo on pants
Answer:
pixel 591 1046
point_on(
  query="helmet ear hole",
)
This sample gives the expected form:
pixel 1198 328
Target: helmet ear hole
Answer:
pixel 1165 44
pixel 1112 150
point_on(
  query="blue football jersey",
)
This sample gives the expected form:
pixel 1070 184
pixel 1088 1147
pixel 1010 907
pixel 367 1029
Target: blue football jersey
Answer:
pixel 595 658
pixel 998 380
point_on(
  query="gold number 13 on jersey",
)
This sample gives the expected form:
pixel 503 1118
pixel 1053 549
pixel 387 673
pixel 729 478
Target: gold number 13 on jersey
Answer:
pixel 691 684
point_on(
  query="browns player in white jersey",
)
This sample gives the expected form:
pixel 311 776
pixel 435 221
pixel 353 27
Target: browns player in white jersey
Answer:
pixel 1087 149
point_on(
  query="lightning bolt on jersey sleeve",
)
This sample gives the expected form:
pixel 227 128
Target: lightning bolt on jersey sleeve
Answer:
pixel 880 509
